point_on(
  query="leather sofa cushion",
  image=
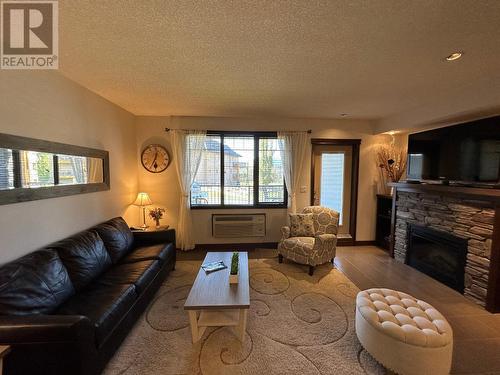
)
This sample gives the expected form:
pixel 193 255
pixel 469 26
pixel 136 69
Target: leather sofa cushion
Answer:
pixel 138 273
pixel 117 237
pixel 84 256
pixel 34 284
pixel 105 306
pixel 163 252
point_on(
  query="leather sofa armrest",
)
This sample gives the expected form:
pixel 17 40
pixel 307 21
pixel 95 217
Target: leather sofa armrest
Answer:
pixel 45 329
pixel 154 237
pixel 285 232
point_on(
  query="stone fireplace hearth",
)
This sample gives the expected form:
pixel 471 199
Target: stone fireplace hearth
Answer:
pixel 472 220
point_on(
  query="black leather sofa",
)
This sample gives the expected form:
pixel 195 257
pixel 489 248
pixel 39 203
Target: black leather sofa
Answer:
pixel 66 308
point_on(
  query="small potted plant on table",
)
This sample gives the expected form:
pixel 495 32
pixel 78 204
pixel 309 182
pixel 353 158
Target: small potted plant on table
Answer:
pixel 233 275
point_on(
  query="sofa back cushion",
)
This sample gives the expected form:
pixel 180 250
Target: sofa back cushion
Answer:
pixel 34 284
pixel 117 237
pixel 84 256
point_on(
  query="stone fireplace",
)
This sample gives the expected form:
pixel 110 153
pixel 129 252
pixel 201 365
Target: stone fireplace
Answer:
pixel 470 221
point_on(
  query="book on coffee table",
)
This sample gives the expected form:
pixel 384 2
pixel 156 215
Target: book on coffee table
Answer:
pixel 213 266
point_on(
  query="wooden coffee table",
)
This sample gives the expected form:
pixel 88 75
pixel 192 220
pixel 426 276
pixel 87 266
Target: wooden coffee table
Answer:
pixel 213 302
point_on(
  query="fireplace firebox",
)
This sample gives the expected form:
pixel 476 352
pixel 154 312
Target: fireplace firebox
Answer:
pixel 437 254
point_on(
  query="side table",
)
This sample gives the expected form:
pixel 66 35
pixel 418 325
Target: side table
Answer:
pixel 154 235
pixel 161 228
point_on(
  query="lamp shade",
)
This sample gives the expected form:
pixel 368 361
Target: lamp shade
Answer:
pixel 143 200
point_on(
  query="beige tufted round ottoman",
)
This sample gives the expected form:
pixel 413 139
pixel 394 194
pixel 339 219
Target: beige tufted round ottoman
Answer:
pixel 404 334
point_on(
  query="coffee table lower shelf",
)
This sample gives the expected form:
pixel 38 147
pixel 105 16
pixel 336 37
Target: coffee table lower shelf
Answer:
pixel 201 319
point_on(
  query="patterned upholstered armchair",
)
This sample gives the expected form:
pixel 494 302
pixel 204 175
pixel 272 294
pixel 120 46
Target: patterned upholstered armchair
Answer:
pixel 315 250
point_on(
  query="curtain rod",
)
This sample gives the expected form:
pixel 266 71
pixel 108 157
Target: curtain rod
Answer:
pixel 307 131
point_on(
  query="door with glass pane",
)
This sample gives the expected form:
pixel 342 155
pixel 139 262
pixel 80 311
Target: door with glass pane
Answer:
pixel 332 179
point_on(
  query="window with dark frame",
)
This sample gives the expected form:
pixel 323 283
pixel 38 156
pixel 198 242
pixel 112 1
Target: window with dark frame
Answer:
pixel 252 172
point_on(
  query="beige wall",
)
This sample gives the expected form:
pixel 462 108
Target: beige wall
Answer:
pixel 164 191
pixel 45 105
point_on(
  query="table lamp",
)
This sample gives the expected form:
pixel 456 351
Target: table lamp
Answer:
pixel 142 201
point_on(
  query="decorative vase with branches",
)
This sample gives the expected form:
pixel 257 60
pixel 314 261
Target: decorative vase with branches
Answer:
pixel 391 161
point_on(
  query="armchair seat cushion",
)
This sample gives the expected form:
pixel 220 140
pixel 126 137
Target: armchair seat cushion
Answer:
pixel 298 249
pixel 104 306
pixel 300 245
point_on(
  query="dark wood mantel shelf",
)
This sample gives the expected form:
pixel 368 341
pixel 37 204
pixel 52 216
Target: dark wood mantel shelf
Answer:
pixel 462 191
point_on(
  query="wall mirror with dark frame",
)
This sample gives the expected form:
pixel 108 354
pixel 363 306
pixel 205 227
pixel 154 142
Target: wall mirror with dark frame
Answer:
pixel 32 169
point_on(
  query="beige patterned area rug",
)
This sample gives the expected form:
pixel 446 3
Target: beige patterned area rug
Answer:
pixel 297 324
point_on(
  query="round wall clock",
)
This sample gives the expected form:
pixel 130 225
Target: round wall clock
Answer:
pixel 155 158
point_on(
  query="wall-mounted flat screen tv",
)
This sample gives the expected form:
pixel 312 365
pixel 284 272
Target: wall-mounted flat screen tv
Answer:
pixel 465 154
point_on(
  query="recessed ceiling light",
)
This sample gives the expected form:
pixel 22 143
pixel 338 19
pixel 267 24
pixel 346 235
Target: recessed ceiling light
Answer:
pixel 454 56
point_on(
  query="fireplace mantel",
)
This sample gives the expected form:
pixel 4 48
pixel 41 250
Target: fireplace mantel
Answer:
pixel 442 195
pixel 459 191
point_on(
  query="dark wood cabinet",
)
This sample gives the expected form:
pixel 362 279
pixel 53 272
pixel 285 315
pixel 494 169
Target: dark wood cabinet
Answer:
pixel 383 229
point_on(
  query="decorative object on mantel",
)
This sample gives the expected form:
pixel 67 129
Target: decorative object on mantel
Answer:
pixel 157 214
pixel 155 158
pixel 142 201
pixel 233 276
pixel 391 161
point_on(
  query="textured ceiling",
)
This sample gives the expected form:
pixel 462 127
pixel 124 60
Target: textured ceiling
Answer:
pixel 370 59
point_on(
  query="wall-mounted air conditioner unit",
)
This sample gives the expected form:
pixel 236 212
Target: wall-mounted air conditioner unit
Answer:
pixel 238 225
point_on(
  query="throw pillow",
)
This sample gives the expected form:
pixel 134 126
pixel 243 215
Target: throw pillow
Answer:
pixel 301 225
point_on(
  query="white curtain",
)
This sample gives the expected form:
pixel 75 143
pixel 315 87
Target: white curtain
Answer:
pixel 78 169
pixel 293 149
pixel 187 147
pixel 95 173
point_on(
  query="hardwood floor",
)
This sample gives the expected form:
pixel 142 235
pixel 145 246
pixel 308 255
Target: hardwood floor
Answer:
pixel 476 331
